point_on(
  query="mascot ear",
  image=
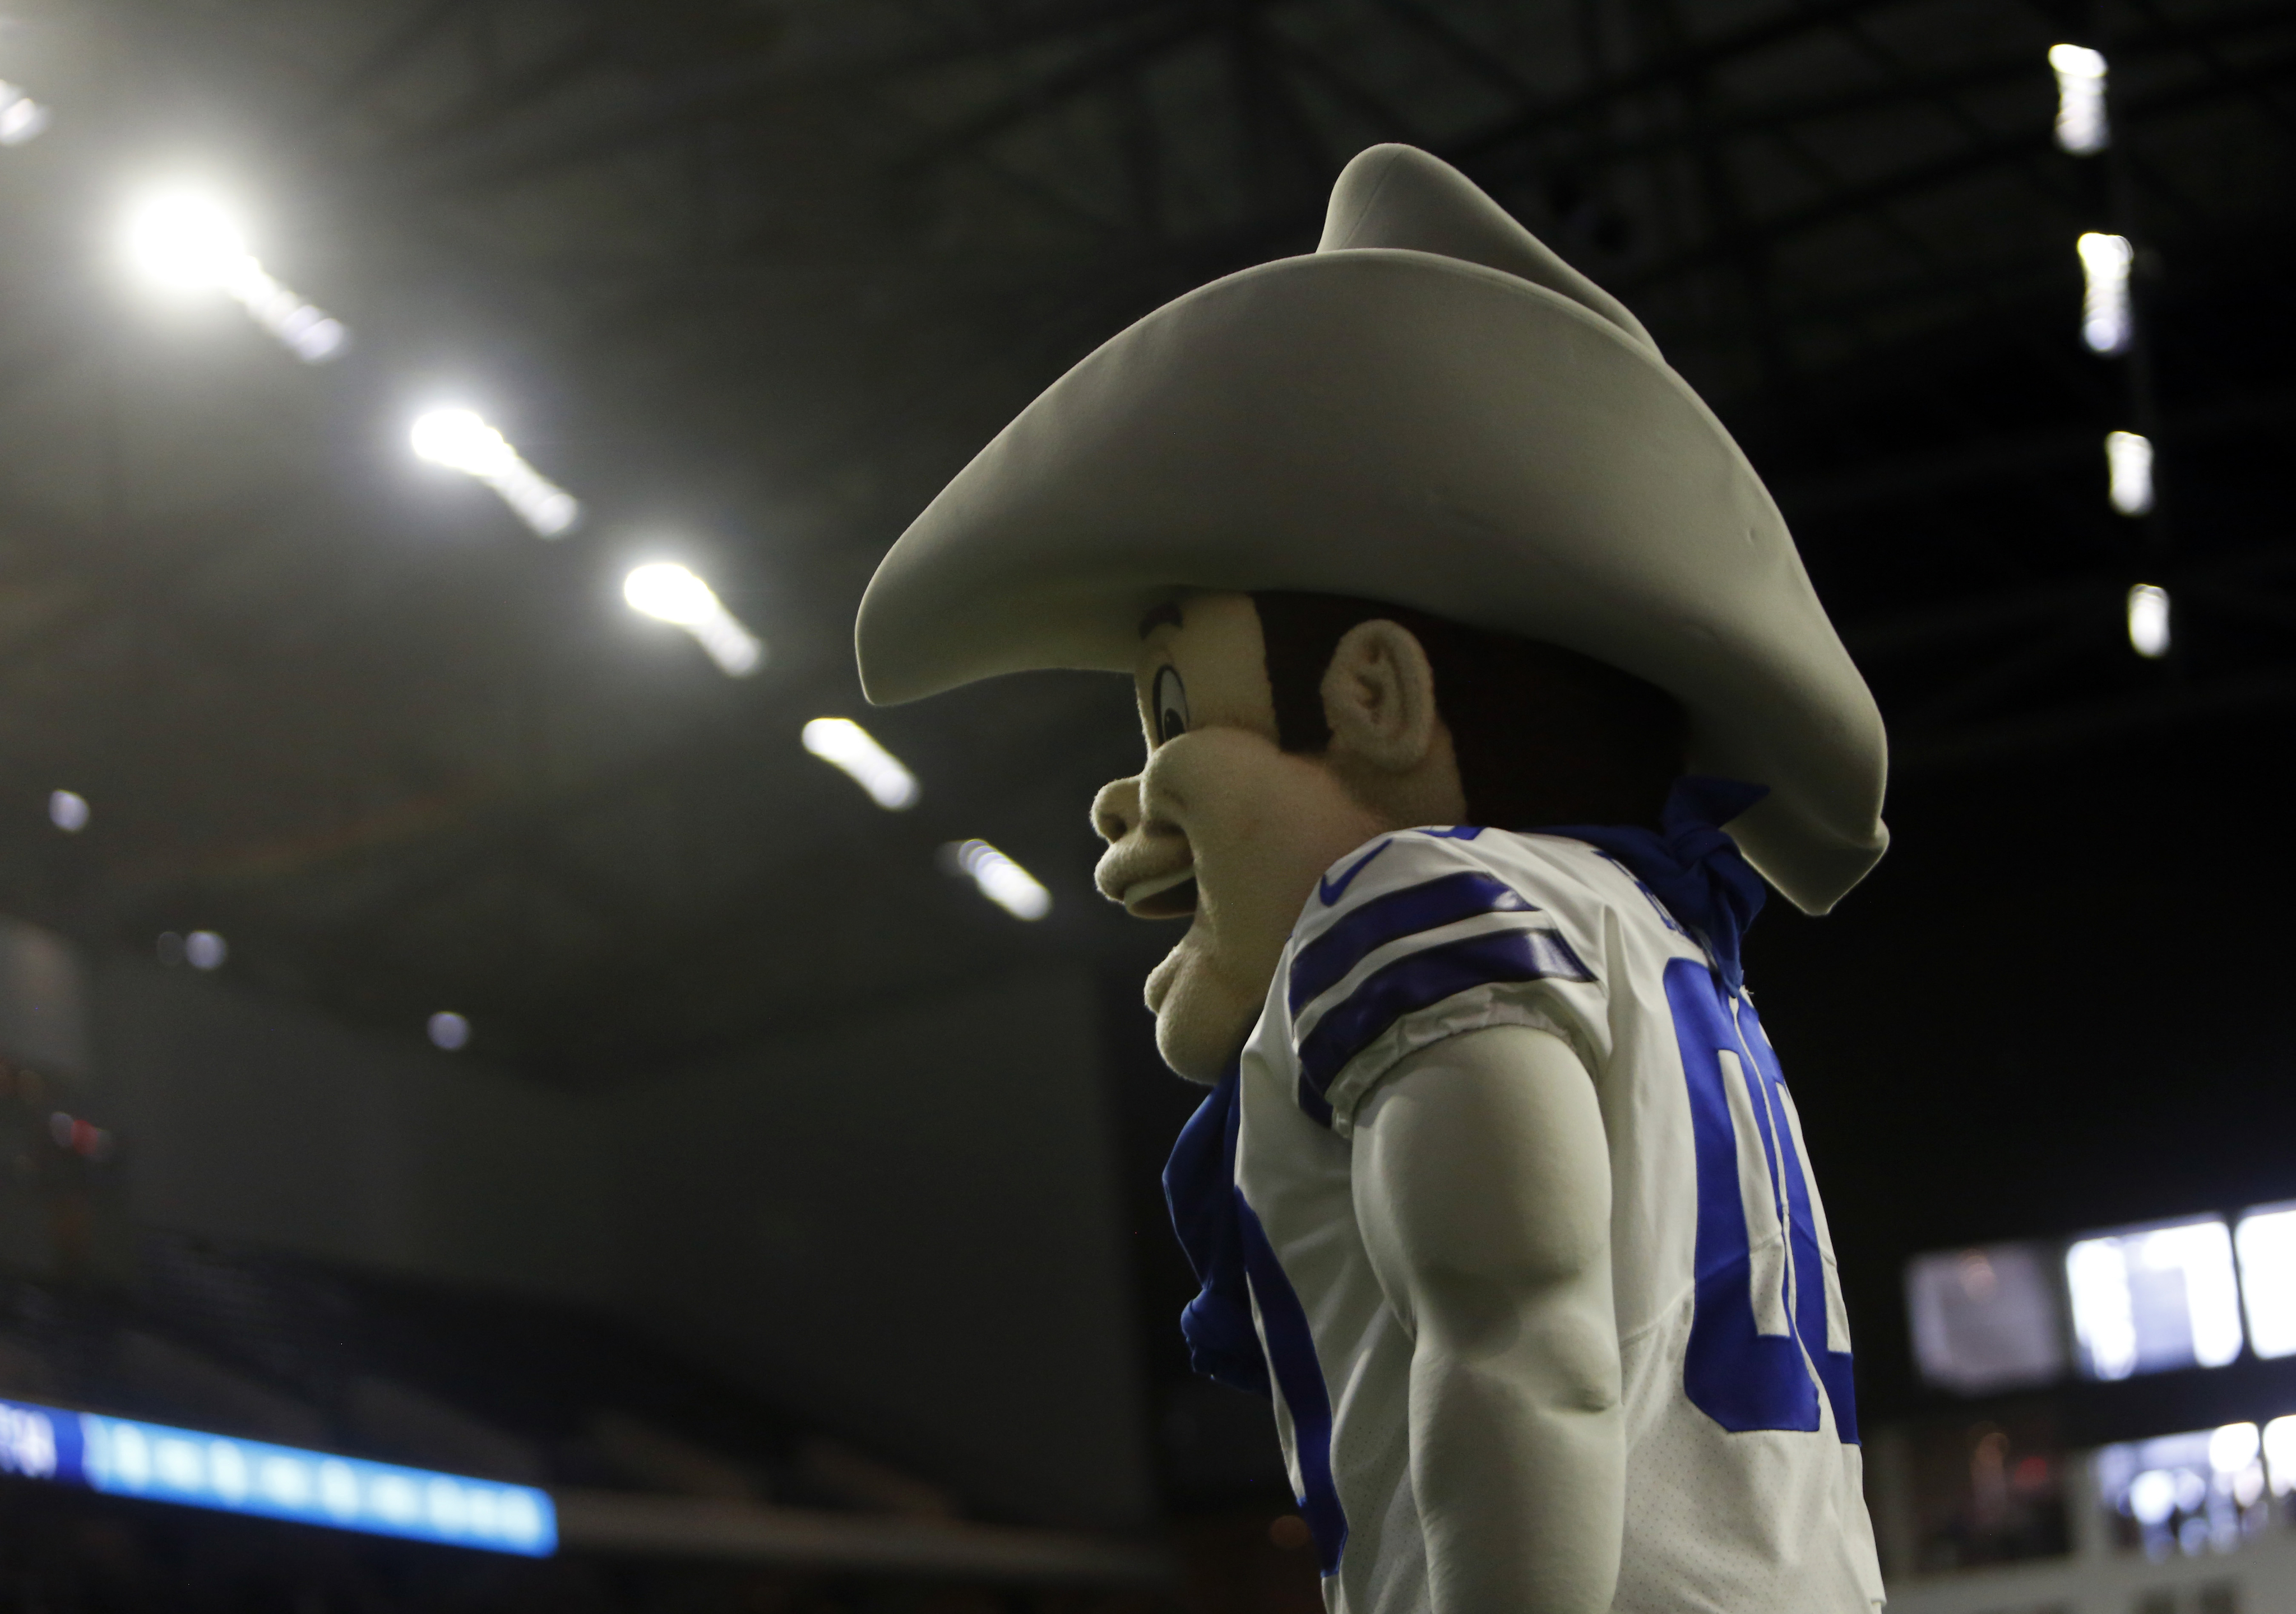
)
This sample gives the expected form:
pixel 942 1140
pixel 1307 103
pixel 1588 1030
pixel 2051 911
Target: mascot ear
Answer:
pixel 1379 699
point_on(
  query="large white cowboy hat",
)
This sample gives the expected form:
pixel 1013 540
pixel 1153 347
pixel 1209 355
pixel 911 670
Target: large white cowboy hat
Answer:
pixel 1431 409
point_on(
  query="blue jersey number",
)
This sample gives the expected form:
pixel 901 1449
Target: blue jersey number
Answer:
pixel 1764 1286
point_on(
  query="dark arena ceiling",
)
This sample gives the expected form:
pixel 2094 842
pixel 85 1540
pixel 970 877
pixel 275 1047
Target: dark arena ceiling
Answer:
pixel 752 278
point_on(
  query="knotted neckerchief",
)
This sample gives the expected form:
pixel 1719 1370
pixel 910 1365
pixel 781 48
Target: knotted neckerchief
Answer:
pixel 1689 864
pixel 1694 869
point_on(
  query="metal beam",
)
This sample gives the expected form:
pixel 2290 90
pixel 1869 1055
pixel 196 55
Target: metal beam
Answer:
pixel 719 88
pixel 747 1532
pixel 1935 470
pixel 512 93
pixel 1664 71
pixel 2069 727
pixel 1926 177
pixel 392 52
pixel 1086 72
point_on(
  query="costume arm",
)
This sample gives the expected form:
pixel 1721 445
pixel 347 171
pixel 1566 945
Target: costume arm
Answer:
pixel 1483 1185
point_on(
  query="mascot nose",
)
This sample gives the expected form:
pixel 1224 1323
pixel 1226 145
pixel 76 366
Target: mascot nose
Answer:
pixel 1116 810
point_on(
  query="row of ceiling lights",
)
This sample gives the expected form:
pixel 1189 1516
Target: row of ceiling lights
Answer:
pixel 185 240
pixel 2109 323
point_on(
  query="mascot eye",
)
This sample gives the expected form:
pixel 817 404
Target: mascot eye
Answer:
pixel 1171 705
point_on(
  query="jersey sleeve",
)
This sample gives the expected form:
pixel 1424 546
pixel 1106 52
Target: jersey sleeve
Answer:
pixel 1421 938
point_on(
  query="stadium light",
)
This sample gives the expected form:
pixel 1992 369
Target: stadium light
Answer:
pixel 2129 465
pixel 186 240
pixel 153 1461
pixel 669 592
pixel 458 439
pixel 2148 620
pixel 1003 882
pixel 22 118
pixel 69 811
pixel 844 743
pixel 2266 1240
pixel 2280 1453
pixel 2150 1298
pixel 2081 127
pixel 2105 292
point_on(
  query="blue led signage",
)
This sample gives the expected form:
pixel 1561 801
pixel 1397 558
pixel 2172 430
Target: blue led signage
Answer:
pixel 122 1457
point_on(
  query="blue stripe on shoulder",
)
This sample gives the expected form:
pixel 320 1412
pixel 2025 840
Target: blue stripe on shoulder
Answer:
pixel 1312 1104
pixel 1415 982
pixel 1331 893
pixel 1324 963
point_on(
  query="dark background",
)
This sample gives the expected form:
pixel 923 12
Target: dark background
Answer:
pixel 754 279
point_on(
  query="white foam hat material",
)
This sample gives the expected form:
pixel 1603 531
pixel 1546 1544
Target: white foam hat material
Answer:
pixel 1431 409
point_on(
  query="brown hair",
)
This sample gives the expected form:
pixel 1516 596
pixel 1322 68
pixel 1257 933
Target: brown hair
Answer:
pixel 1543 735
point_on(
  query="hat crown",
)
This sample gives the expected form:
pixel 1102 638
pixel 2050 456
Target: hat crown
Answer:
pixel 1434 410
pixel 1398 196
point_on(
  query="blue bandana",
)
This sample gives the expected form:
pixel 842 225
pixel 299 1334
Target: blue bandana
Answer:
pixel 1200 1188
pixel 1689 864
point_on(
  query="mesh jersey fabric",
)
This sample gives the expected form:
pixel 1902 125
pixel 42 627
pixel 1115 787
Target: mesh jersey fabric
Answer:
pixel 1743 1476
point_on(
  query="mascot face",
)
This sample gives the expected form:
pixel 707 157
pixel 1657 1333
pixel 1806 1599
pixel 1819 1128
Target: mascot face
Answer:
pixel 1226 829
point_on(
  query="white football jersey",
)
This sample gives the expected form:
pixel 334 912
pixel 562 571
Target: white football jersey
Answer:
pixel 1742 1474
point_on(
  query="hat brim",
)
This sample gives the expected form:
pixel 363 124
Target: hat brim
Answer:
pixel 1399 426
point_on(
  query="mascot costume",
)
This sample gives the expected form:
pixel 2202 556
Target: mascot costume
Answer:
pixel 1483 690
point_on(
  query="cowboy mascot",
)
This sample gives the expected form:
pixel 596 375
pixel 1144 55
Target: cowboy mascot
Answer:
pixel 1483 690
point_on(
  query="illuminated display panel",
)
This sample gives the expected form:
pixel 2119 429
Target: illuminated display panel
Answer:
pixel 2189 1293
pixel 1986 1319
pixel 2147 1299
pixel 122 1457
pixel 2266 1241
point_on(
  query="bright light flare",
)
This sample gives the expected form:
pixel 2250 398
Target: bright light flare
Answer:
pixel 2105 262
pixel 205 950
pixel 305 331
pixel 2081 127
pixel 448 1031
pixel 186 240
pixel 2128 466
pixel 2233 1447
pixel 844 743
pixel 1003 882
pixel 458 439
pixel 2280 1453
pixel 22 118
pixel 2155 1298
pixel 69 811
pixel 670 593
pixel 2267 1243
pixel 2148 620
pixel 2152 1496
